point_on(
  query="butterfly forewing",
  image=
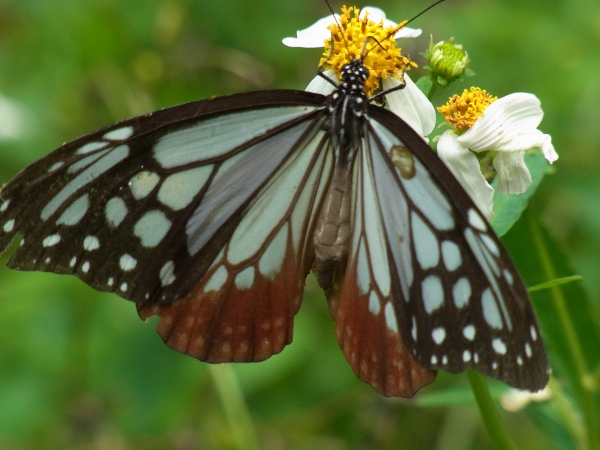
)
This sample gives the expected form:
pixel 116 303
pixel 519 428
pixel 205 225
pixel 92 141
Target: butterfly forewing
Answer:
pixel 459 301
pixel 151 200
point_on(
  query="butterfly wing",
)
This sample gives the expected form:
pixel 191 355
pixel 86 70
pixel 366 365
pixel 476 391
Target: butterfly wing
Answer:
pixel 429 267
pixel 199 213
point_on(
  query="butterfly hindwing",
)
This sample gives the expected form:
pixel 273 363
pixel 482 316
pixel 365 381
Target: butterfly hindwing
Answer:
pixel 363 303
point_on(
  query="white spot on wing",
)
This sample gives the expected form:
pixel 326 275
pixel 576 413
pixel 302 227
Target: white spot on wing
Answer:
pixel 4 205
pixel 9 225
pixel 245 279
pixel 91 243
pixel 217 280
pixel 374 304
pixel 90 147
pixel 178 190
pixel 127 262
pixel 528 351
pixel 119 134
pixel 123 286
pixel 508 277
pixel 390 317
pixel 166 273
pixel 51 240
pixel 432 293
pixel 461 292
pixel 152 227
pixel 75 211
pixel 56 166
pixel 490 244
pixel 426 244
pixel 434 359
pixel 438 335
pixel 499 346
pixel 466 356
pixel 115 211
pixel 413 330
pixel 85 267
pixel 451 255
pixel 476 220
pixel 73 261
pixel 363 278
pixel 271 260
pixel 142 183
pixel 469 332
pixel 533 333
pixel 491 313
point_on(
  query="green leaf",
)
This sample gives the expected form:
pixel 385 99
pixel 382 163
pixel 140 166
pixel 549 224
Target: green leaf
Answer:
pixel 580 309
pixel 424 84
pixel 458 395
pixel 509 207
pixel 555 282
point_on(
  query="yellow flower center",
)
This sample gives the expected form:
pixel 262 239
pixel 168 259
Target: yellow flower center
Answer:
pixel 380 56
pixel 463 110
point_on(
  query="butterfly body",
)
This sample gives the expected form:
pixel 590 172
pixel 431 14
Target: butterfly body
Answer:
pixel 346 123
pixel 211 214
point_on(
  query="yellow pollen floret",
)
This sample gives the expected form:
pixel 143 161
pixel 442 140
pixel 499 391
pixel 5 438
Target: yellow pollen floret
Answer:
pixel 463 110
pixel 383 58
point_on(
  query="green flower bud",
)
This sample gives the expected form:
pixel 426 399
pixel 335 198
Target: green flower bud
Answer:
pixel 447 62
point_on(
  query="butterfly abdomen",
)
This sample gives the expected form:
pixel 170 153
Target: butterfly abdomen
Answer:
pixel 347 107
pixel 333 231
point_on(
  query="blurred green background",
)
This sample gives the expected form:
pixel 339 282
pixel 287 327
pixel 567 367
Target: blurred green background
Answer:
pixel 78 369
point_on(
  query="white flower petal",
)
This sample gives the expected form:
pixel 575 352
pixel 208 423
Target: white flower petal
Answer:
pixel 411 105
pixel 513 174
pixel 408 33
pixel 548 149
pixel 376 15
pixel 319 85
pixel 502 124
pixel 465 167
pixel 313 36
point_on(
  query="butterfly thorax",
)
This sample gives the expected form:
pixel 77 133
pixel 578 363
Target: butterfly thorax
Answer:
pixel 347 107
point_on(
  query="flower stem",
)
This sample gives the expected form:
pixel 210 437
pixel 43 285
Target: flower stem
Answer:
pixel 584 392
pixel 234 406
pixel 489 414
pixel 432 90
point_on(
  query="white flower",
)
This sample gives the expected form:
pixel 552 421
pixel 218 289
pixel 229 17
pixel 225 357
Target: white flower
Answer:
pixel 408 103
pixel 507 126
pixel 315 35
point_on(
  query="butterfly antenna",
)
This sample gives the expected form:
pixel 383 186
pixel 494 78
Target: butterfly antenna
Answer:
pixel 403 24
pixel 337 23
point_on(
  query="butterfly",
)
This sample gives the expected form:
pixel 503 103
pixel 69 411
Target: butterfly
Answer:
pixel 211 215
